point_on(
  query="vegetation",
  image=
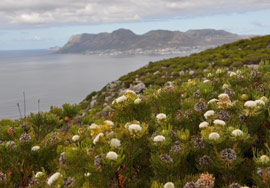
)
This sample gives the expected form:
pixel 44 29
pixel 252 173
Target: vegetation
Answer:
pixel 203 130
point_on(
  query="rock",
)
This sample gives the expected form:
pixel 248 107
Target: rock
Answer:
pixel 138 88
pixel 93 103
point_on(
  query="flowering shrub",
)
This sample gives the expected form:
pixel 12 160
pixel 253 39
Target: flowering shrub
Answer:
pixel 191 133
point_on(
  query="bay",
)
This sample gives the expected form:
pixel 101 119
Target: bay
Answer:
pixel 56 79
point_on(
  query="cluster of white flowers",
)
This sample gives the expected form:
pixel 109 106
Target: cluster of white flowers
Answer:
pixel 161 116
pixel 206 81
pixel 209 114
pixel 109 122
pixel 96 139
pixel 93 126
pixel 121 99
pixel 214 136
pixel 169 185
pixel 75 138
pixel 134 128
pixel 223 96
pixel 237 132
pixel 39 174
pixel 53 178
pixel 219 122
pixel 137 101
pixel 35 148
pixel 232 74
pixel 250 104
pixel 212 101
pixel 115 143
pixel 128 91
pixel 111 155
pixel 264 159
pixel 203 125
pixel 159 138
pixel 87 174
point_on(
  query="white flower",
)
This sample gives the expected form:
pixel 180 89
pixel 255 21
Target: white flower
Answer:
pixel 209 113
pixel 209 75
pixel 260 102
pixel 134 128
pixel 108 122
pixel 238 72
pixel 203 125
pixel 53 178
pixel 232 74
pixel 206 81
pixel 159 138
pixel 219 71
pixel 129 91
pixel 137 101
pixel 212 101
pixel 264 159
pixel 115 143
pixel 111 155
pixel 93 126
pixel 219 122
pixel 237 132
pixel 35 148
pixel 39 174
pixel 169 185
pixel 75 138
pixel 225 86
pixel 223 96
pixel 121 99
pixel 214 136
pixel 250 104
pixel 161 116
pixel 97 138
pixel 87 174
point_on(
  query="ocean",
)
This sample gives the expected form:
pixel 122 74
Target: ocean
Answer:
pixel 55 79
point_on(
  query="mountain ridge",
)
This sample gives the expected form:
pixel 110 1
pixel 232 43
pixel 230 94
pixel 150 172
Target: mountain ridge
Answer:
pixel 154 41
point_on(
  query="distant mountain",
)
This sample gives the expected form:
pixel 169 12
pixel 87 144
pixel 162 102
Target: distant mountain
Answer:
pixel 124 40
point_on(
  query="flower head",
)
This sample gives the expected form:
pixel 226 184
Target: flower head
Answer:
pixel 96 139
pixel 134 128
pixel 219 122
pixel 212 101
pixel 109 122
pixel 169 185
pixel 93 126
pixel 260 102
pixel 121 99
pixel 237 132
pixel 161 116
pixel 264 159
pixel 115 143
pixel 75 138
pixel 35 148
pixel 203 125
pixel 137 101
pixel 209 114
pixel 39 174
pixel 112 155
pixel 53 178
pixel 159 138
pixel 223 96
pixel 214 136
pixel 250 104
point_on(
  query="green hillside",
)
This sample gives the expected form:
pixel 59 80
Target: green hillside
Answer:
pixel 205 127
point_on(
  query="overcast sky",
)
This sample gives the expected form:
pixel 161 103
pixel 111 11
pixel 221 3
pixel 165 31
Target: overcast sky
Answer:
pixel 38 24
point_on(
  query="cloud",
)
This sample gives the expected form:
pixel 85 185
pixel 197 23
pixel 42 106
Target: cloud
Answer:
pixel 15 13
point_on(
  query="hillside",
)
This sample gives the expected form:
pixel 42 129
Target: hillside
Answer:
pixel 125 41
pixel 201 121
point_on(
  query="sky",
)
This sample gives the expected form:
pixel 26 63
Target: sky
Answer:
pixel 40 24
